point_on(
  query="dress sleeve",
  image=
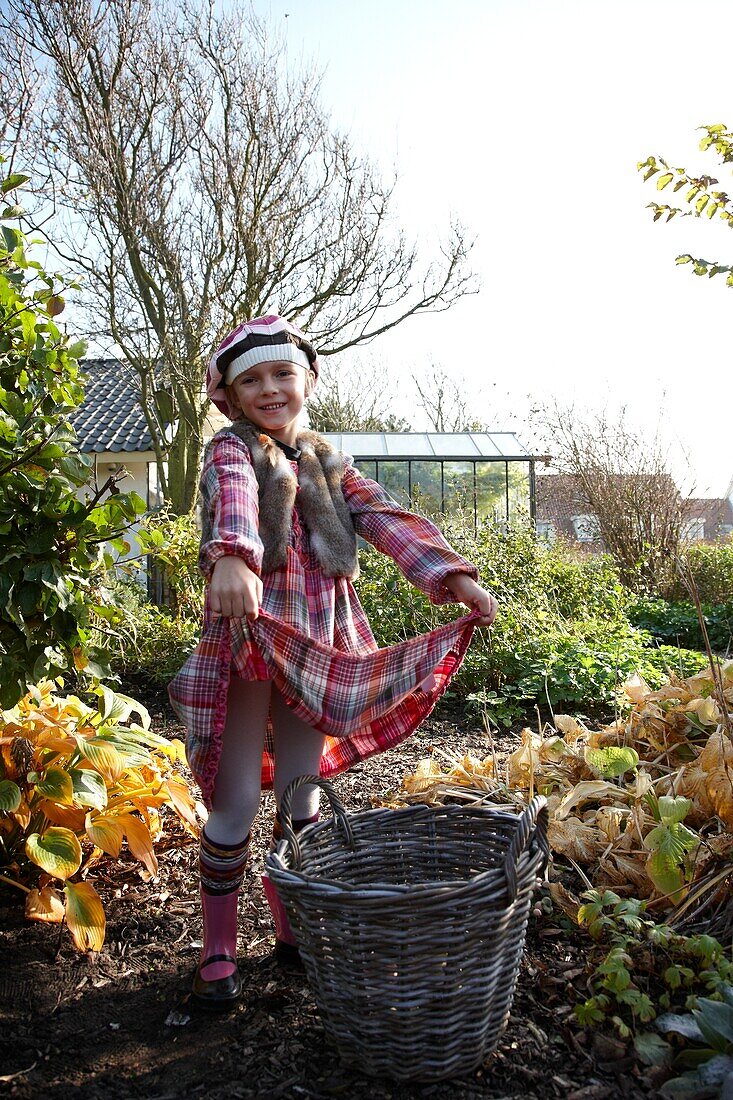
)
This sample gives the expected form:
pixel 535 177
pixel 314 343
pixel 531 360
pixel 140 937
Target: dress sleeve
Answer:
pixel 229 506
pixel 412 541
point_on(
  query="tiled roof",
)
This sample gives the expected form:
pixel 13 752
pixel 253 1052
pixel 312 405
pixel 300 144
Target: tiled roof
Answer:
pixel 110 418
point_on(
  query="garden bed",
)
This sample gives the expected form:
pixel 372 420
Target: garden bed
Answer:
pixel 101 1026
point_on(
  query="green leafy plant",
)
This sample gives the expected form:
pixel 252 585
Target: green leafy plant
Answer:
pixel 54 533
pixel 671 844
pixel 644 967
pixel 709 1063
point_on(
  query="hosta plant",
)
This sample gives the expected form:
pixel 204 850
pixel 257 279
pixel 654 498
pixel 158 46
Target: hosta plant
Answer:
pixel 78 782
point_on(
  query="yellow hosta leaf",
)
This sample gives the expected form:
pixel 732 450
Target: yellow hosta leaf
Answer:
pixel 85 915
pixel 45 905
pixel 57 786
pixel 719 788
pixel 717 750
pixel 571 729
pixel 80 659
pixel 57 851
pixel 138 839
pixel 706 710
pixel 182 799
pixel 106 832
pixel 523 762
pixel 636 688
pixel 71 817
pixel 103 756
pixel 590 790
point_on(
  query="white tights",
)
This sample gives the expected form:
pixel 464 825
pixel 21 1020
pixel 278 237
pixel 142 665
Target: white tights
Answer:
pixel 298 749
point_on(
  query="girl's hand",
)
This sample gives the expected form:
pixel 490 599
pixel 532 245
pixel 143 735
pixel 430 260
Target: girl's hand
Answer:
pixel 465 589
pixel 235 591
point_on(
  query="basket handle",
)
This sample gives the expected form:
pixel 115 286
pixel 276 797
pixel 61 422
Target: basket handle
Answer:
pixel 535 815
pixel 286 815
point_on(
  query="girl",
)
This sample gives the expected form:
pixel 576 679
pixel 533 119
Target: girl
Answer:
pixel 287 678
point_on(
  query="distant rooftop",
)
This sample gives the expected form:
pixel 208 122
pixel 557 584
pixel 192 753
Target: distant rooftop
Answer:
pixel 455 445
pixel 110 418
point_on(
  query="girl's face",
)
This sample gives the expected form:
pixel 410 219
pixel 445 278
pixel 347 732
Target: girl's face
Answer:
pixel 271 395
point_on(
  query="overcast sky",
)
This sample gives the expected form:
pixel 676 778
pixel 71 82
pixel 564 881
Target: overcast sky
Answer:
pixel 525 119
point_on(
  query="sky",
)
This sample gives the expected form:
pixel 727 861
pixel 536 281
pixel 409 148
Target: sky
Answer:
pixel 525 119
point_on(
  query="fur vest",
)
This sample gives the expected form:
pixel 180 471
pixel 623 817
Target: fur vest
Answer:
pixel 322 505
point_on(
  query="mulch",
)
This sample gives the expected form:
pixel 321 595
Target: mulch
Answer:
pixel 115 1024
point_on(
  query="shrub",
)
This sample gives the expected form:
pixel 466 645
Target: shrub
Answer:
pixel 54 578
pixel 677 623
pixel 561 635
pixel 153 641
pixel 77 781
pixel 711 568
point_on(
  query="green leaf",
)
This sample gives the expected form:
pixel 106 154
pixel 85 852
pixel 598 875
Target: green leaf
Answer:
pixel 58 852
pixel 652 1049
pixel 664 180
pixel 9 796
pixel 13 181
pixel 673 808
pixel 612 761
pixel 90 788
pixel 680 1025
pixel 57 786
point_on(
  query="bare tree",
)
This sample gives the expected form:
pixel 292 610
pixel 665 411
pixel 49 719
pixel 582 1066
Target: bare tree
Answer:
pixel 446 402
pixel 357 400
pixel 203 183
pixel 623 480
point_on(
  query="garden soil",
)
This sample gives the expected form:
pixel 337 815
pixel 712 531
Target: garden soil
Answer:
pixel 116 1024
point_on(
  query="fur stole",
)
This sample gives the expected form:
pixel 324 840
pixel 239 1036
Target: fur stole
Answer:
pixel 322 505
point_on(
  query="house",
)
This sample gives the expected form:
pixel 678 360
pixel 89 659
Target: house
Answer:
pixel 490 474
pixel 563 510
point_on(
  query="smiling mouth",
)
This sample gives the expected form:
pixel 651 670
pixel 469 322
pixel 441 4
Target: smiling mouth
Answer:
pixel 272 408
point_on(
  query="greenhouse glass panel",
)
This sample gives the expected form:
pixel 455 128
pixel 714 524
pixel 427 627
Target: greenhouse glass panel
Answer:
pixel 458 488
pixel 519 500
pixel 395 477
pixel 426 487
pixel 491 480
pixel 367 468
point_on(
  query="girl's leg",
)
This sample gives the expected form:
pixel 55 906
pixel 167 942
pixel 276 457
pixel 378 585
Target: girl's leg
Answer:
pixel 225 839
pixel 236 797
pixel 298 751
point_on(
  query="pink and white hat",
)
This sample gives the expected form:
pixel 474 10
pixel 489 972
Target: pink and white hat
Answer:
pixel 262 340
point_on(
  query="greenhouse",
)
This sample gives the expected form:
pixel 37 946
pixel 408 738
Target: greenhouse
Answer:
pixel 489 475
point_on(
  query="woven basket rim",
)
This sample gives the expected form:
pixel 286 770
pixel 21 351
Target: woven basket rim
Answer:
pixel 383 890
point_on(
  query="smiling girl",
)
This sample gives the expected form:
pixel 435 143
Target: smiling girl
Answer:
pixel 288 679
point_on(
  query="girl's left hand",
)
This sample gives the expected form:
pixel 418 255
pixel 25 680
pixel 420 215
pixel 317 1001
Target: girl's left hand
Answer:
pixel 465 589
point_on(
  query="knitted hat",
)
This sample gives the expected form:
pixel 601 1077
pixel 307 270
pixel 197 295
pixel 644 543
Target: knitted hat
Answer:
pixel 261 340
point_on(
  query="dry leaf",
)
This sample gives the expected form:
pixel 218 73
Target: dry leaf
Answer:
pixel 45 905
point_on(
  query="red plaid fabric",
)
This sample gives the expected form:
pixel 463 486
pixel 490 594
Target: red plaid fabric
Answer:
pixel 313 638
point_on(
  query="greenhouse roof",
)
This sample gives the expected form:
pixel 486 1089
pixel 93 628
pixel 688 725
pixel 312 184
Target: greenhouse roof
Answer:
pixel 426 445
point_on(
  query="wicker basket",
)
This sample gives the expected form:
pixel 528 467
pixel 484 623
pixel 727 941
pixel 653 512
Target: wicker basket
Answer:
pixel 411 925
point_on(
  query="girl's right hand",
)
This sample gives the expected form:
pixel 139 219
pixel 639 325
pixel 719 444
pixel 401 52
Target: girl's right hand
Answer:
pixel 235 590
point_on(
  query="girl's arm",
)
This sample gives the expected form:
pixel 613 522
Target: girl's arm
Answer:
pixel 231 550
pixel 413 542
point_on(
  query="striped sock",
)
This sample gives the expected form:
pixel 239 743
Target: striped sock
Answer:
pixel 222 866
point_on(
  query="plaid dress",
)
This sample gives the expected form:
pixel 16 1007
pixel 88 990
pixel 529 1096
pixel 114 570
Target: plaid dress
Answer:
pixel 312 638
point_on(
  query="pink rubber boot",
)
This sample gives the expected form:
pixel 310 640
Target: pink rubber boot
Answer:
pixel 216 983
pixel 286 948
